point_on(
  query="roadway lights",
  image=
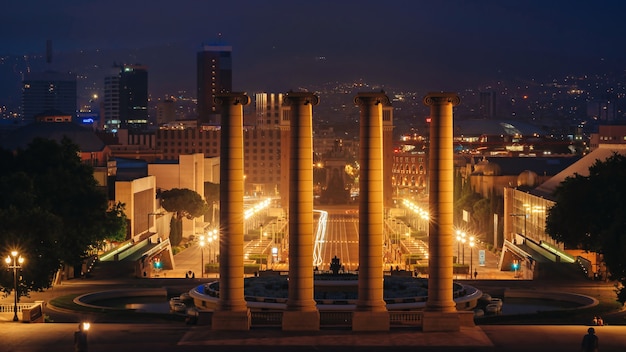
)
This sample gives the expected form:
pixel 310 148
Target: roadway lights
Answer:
pixel 471 244
pixel 202 243
pixel 17 261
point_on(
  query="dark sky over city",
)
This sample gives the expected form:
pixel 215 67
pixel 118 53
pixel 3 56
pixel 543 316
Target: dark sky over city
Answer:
pixel 279 44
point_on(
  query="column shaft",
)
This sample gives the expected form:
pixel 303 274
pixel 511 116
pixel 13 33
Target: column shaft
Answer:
pixel 371 311
pixel 441 184
pixel 232 311
pixel 301 313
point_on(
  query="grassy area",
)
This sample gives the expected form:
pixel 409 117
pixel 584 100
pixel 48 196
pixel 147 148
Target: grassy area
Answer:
pixel 557 317
pixel 67 303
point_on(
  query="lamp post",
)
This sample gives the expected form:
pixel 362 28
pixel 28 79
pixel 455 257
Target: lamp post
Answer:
pixel 524 215
pixel 17 264
pixel 458 245
pixel 202 254
pixel 216 242
pixel 471 244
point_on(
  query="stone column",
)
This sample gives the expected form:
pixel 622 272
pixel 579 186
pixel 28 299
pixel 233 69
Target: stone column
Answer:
pixel 371 312
pixel 232 312
pixel 440 313
pixel 301 313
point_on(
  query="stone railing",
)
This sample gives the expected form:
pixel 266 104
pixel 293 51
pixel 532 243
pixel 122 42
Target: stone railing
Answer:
pixel 8 308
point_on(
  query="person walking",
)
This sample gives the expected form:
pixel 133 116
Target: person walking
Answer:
pixel 590 341
pixel 80 339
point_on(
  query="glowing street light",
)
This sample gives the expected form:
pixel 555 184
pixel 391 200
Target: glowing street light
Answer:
pixel 202 254
pixel 460 237
pixel 17 264
pixel 471 244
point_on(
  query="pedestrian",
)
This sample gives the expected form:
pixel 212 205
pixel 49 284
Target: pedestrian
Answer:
pixel 80 339
pixel 475 274
pixel 590 341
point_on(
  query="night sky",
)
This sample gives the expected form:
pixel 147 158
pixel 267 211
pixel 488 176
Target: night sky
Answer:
pixel 278 44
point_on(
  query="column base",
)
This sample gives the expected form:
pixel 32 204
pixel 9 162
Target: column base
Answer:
pixel 233 321
pixel 441 322
pixel 370 321
pixel 301 321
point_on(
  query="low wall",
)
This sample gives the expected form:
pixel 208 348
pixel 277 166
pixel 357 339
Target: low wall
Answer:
pixel 584 301
pixel 86 299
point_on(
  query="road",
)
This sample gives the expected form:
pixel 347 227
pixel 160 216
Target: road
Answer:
pixel 340 238
pixel 18 337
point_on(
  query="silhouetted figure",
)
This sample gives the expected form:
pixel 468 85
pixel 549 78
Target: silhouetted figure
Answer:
pixel 475 274
pixel 590 341
pixel 335 265
pixel 80 339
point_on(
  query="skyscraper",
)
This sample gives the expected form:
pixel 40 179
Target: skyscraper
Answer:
pixel 487 107
pixel 126 98
pixel 215 75
pixel 47 92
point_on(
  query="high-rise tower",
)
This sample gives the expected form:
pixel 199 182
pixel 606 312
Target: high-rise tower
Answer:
pixel 215 75
pixel 126 98
pixel 47 92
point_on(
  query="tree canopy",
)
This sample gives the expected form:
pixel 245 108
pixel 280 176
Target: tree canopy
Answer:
pixel 52 211
pixel 590 214
pixel 185 203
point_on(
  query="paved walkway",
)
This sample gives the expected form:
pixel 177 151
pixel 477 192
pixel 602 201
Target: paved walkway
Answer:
pixel 179 337
pixel 175 336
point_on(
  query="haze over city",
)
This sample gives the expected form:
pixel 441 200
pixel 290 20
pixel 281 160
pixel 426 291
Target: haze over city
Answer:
pixel 281 45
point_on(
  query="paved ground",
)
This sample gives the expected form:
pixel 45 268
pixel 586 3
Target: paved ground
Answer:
pixel 176 336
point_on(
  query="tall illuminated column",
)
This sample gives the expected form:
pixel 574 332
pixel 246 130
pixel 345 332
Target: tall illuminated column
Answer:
pixel 301 313
pixel 371 312
pixel 440 313
pixel 232 312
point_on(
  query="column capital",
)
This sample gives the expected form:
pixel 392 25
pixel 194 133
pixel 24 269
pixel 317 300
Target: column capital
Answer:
pixel 300 98
pixel 233 98
pixel 372 98
pixel 441 98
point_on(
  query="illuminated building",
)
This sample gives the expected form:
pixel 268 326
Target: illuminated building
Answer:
pixel 126 98
pixel 215 75
pixel 48 91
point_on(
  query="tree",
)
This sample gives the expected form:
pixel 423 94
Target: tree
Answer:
pixel 51 210
pixel 185 203
pixel 115 225
pixel 590 214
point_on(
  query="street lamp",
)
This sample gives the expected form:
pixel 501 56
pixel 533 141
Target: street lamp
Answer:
pixel 202 254
pixel 459 236
pixel 215 245
pixel 471 244
pixel 17 264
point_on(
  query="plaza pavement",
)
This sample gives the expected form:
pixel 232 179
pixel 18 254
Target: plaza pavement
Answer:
pixel 179 337
pixel 176 336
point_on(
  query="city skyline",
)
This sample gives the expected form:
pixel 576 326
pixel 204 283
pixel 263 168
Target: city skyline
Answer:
pixel 285 45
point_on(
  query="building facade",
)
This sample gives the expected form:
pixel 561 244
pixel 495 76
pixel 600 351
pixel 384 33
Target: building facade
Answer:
pixel 126 98
pixel 214 75
pixel 48 91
